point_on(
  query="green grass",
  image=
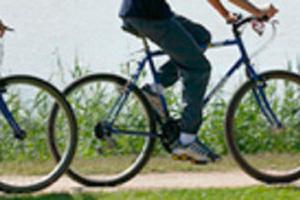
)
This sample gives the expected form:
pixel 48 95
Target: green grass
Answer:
pixel 251 133
pixel 262 161
pixel 250 193
pixel 157 164
pixel 164 164
pixel 26 167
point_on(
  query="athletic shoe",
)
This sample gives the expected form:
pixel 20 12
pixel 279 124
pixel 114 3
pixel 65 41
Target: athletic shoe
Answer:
pixel 197 152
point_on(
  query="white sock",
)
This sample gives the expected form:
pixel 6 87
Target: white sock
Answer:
pixel 157 88
pixel 187 138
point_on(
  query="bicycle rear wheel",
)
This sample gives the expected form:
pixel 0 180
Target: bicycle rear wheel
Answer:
pixel 113 160
pixel 27 164
pixel 267 153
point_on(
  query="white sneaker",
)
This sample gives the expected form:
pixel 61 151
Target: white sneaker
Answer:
pixel 197 152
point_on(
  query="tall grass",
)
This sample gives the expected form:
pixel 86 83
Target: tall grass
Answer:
pixel 212 131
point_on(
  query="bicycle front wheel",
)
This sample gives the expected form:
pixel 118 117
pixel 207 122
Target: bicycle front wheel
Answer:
pixel 27 164
pixel 267 152
pixel 112 158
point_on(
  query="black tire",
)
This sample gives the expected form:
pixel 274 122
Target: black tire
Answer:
pixel 87 120
pixel 28 98
pixel 266 154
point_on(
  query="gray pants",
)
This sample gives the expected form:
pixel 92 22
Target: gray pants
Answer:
pixel 180 38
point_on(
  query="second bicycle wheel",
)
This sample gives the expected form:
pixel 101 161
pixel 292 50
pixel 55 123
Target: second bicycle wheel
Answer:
pixel 26 163
pixel 267 153
pixel 99 161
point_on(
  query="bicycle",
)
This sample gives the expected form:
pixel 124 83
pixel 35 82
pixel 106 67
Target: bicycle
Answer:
pixel 25 103
pixel 122 125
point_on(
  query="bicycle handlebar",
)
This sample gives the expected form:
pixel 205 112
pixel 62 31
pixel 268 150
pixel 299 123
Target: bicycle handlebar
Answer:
pixel 241 21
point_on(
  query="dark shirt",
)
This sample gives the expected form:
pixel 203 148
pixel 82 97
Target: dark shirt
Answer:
pixel 148 9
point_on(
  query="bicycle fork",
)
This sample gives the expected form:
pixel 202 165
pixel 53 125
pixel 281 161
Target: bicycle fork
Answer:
pixel 264 104
pixel 18 132
pixel 258 90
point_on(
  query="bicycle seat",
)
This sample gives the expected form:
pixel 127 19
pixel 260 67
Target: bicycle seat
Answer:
pixel 130 29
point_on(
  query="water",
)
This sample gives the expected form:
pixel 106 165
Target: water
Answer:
pixel 90 31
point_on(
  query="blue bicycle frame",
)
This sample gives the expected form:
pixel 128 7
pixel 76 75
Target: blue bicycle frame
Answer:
pixel 18 132
pixel 258 91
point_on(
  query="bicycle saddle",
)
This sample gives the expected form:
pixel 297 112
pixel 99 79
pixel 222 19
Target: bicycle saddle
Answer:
pixel 130 29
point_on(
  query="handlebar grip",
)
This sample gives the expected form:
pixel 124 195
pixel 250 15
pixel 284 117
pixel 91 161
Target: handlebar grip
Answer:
pixel 242 22
pixel 264 18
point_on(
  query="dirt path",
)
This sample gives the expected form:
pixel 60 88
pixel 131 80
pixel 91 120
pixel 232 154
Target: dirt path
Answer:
pixel 166 181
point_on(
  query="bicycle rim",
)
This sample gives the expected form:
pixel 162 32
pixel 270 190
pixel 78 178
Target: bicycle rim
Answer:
pixel 27 165
pixel 97 162
pixel 267 152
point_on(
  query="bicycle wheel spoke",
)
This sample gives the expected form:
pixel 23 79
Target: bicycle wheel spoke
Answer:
pixel 114 150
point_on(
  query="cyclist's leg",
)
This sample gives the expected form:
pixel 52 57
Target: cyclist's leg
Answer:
pixel 194 67
pixel 168 72
pixel 180 44
pixel 199 32
pixel 194 86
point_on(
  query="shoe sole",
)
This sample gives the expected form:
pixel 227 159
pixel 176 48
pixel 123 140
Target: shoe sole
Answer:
pixel 185 157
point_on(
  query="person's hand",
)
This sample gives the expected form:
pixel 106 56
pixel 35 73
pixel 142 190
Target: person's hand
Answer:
pixel 268 12
pixel 231 18
pixel 2 29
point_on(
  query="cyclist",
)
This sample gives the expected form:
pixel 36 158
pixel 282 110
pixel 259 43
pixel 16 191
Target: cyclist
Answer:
pixel 179 38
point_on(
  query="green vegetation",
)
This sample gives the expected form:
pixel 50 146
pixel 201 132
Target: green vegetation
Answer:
pixel 254 137
pixel 250 193
pixel 157 164
pixel 253 134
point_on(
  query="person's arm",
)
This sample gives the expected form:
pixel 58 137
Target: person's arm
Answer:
pixel 2 29
pixel 249 7
pixel 245 5
pixel 220 8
